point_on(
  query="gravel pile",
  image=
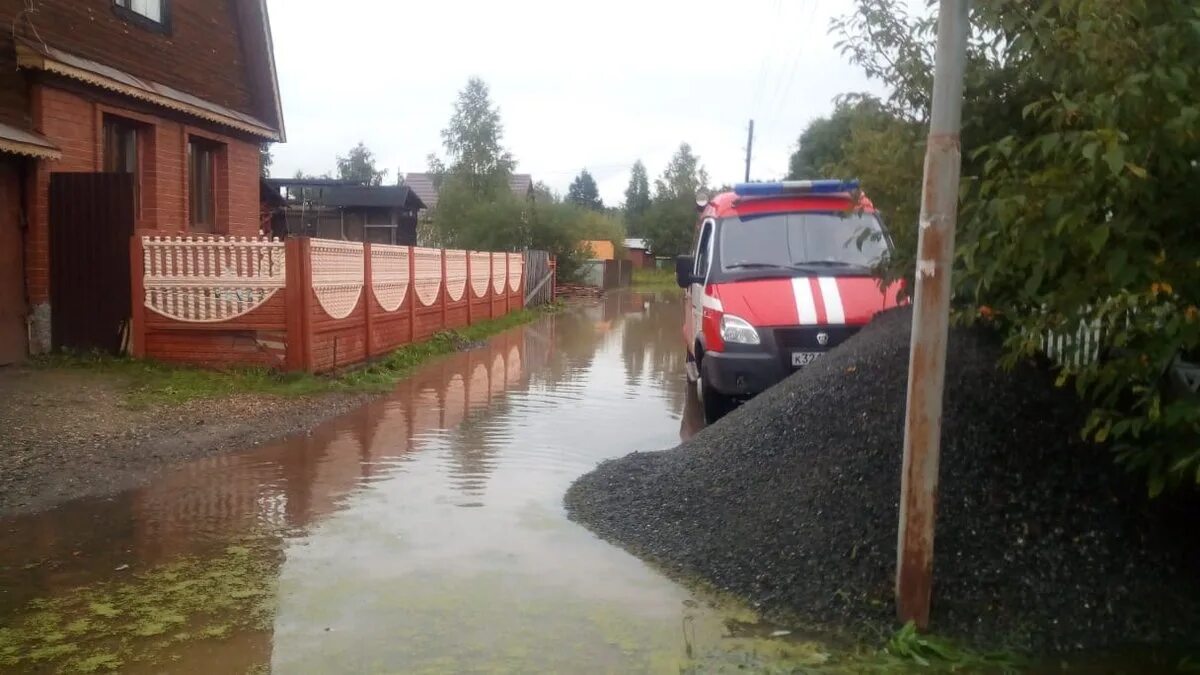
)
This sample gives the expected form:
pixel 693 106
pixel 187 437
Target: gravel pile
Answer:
pixel 792 502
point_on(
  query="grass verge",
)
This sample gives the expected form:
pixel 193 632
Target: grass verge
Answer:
pixel 156 383
pixel 654 280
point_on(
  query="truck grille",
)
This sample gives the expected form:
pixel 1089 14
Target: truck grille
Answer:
pixel 804 339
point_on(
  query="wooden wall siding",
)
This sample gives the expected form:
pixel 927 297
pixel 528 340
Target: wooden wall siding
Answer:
pixel 325 319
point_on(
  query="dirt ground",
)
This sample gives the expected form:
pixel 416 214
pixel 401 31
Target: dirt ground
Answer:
pixel 68 433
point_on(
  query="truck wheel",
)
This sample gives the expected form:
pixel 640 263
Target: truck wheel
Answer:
pixel 715 404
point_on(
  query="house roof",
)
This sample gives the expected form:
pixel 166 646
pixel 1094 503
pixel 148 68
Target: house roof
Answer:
pixel 637 244
pixel 308 182
pixel 343 193
pixel 422 185
pixel 23 142
pixel 49 59
pixel 383 196
pixel 521 185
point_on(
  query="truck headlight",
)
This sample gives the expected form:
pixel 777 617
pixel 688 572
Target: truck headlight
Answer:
pixel 738 330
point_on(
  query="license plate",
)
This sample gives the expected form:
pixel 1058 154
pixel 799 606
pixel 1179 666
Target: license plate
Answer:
pixel 803 358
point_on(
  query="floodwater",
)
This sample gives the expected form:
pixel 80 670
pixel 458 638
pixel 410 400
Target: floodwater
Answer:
pixel 422 533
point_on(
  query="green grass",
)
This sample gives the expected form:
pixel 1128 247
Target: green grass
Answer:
pixel 654 280
pixel 154 383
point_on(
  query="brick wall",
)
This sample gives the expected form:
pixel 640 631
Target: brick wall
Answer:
pixel 73 120
pixel 201 53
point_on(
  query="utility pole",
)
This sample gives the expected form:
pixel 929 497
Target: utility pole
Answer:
pixel 931 315
pixel 749 148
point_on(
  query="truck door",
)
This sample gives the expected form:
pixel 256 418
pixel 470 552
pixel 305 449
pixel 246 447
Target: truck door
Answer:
pixel 704 247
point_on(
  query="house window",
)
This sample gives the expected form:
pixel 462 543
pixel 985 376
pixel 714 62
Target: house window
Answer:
pixel 153 13
pixel 202 198
pixel 121 152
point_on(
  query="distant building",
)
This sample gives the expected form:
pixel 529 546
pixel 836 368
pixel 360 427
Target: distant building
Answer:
pixel 336 209
pixel 424 185
pixel 639 254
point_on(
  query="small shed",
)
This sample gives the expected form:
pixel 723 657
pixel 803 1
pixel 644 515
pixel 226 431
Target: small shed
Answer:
pixel 332 209
pixel 639 253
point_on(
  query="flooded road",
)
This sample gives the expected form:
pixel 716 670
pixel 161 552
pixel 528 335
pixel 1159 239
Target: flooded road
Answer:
pixel 422 533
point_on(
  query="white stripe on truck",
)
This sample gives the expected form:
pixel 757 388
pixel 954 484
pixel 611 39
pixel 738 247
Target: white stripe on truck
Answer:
pixel 834 313
pixel 806 306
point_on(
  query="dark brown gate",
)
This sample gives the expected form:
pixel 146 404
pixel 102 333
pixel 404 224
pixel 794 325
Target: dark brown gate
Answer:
pixel 12 268
pixel 91 221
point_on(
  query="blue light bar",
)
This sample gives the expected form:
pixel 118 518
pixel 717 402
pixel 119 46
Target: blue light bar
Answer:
pixel 795 187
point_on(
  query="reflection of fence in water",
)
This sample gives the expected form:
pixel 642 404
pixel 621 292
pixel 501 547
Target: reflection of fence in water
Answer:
pixel 232 493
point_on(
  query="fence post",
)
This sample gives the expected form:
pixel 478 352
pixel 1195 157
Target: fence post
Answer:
pixel 507 284
pixel 306 297
pixel 445 294
pixel 367 297
pixel 412 294
pixel 137 289
pixel 294 305
pixel 553 279
pixel 469 291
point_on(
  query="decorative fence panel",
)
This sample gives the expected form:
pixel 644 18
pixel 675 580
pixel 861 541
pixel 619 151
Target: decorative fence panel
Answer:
pixel 209 300
pixel 306 304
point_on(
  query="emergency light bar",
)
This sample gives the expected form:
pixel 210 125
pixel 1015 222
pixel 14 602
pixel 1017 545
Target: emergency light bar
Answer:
pixel 795 187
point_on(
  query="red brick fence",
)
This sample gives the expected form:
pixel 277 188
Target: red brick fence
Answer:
pixel 306 304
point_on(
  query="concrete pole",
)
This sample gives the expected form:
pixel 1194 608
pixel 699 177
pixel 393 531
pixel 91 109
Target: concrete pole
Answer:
pixel 749 149
pixel 931 310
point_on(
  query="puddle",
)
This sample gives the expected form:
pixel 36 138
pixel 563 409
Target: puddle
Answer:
pixel 422 533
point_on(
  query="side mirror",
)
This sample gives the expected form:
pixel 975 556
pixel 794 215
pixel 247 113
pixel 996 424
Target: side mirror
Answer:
pixel 684 266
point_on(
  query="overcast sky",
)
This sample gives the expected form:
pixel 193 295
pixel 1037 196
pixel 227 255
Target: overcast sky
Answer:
pixel 627 79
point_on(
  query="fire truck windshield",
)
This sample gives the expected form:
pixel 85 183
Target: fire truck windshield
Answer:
pixel 801 240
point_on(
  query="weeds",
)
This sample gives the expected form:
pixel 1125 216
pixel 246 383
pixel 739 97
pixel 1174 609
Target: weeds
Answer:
pixel 654 280
pixel 907 650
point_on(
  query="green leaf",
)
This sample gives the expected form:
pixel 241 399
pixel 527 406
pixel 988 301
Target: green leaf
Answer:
pixel 1136 170
pixel 1098 238
pixel 1157 482
pixel 1115 157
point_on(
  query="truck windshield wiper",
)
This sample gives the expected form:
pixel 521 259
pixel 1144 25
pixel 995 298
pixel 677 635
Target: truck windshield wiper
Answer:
pixel 753 266
pixel 824 263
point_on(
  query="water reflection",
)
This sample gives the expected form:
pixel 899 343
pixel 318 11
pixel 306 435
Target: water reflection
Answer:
pixel 425 523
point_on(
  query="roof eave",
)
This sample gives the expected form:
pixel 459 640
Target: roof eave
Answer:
pixel 31 58
pixel 281 132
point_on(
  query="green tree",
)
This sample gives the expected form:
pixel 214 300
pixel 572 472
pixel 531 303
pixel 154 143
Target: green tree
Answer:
pixel 637 199
pixel 683 177
pixel 475 207
pixel 670 222
pixel 358 165
pixel 545 194
pixel 583 191
pixel 670 227
pixel 473 141
pixel 1079 200
pixel 820 147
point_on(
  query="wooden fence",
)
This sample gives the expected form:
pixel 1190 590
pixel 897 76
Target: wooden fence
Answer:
pixel 306 304
pixel 539 278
